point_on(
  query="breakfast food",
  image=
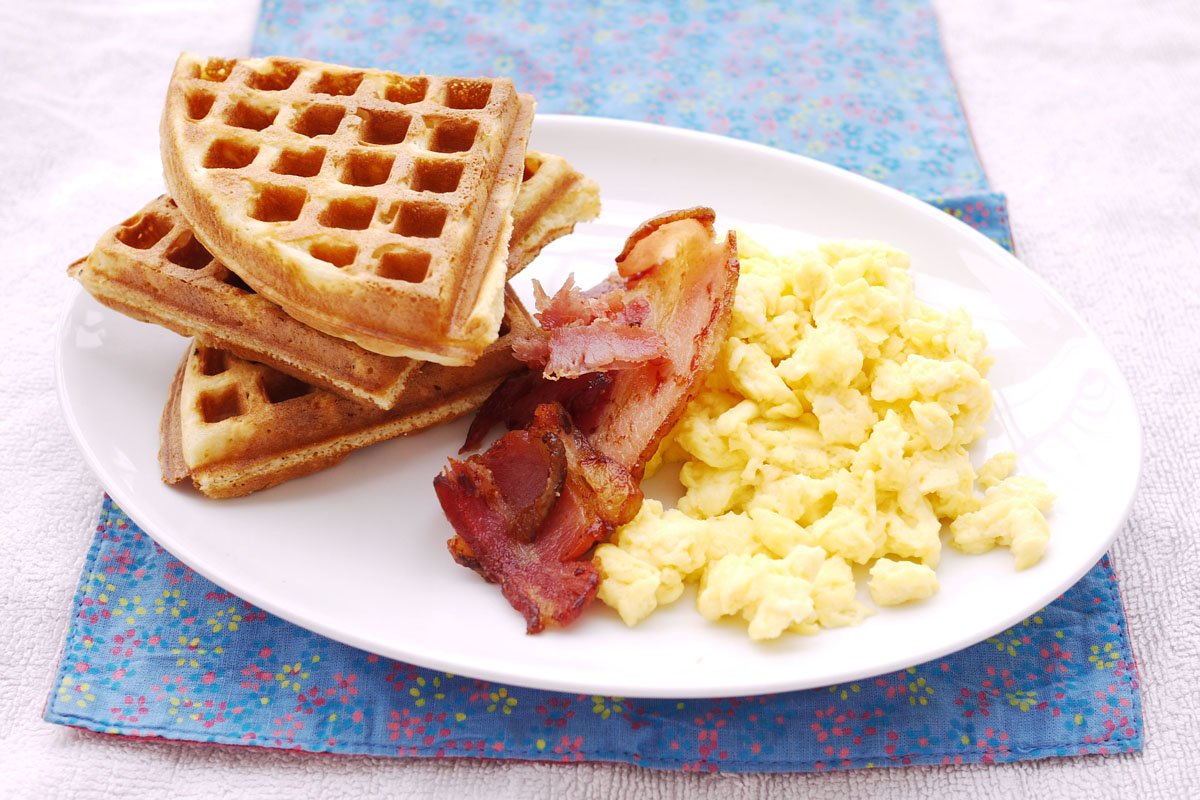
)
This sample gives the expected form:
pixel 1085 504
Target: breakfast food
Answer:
pixel 554 197
pixel 152 268
pixel 527 510
pixel 832 432
pixel 337 241
pixel 342 235
pixel 372 206
pixel 234 426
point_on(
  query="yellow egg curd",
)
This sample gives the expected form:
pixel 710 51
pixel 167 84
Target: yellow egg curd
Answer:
pixel 833 431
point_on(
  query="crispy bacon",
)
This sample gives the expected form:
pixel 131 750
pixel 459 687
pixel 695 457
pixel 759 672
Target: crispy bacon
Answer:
pixel 650 255
pixel 686 278
pixel 570 306
pixel 542 578
pixel 602 345
pixel 515 400
pixel 524 475
pixel 581 333
pixel 689 278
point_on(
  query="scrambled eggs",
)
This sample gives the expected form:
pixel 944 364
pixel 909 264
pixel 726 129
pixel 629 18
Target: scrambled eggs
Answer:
pixel 832 432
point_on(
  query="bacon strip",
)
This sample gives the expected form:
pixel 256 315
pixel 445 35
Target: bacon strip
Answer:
pixel 570 306
pixel 580 333
pixel 600 346
pixel 514 401
pixel 687 279
pixel 524 474
pixel 542 578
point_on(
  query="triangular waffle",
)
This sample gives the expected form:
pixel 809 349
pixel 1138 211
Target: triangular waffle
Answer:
pixel 554 197
pixel 235 426
pixel 373 206
pixel 151 268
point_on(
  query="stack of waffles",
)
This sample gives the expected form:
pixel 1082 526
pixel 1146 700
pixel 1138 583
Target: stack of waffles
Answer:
pixel 338 243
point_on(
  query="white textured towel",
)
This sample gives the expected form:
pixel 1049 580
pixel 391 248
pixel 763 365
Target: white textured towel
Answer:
pixel 1086 114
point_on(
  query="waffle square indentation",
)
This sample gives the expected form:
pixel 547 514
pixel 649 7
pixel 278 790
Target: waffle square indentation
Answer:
pixel 220 406
pixel 199 104
pixel 437 176
pixel 462 93
pixel 409 266
pixel 405 89
pixel 420 220
pixel 453 136
pixel 212 362
pixel 229 154
pixel 318 120
pixel 278 203
pixel 143 231
pixel 251 116
pixel 340 254
pixel 301 163
pixel 280 76
pixel 366 168
pixel 532 165
pixel 187 252
pixel 349 213
pixel 340 84
pixel 383 127
pixel 215 69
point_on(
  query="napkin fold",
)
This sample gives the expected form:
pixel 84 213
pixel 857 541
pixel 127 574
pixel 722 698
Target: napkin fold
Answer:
pixel 155 650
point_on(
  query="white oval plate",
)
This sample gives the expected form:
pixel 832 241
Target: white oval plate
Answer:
pixel 357 552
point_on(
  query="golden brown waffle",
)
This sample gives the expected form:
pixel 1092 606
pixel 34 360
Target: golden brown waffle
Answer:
pixel 152 268
pixel 554 197
pixel 370 205
pixel 234 426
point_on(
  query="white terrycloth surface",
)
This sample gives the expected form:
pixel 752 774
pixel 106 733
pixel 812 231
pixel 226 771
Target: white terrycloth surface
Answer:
pixel 1086 114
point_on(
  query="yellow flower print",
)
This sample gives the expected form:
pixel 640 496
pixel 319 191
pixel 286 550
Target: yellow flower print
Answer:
pixel 502 701
pixel 188 652
pixel 919 692
pixel 78 693
pixel 1103 657
pixel 845 691
pixel 131 608
pixel 600 706
pixel 291 675
pixel 435 683
pixel 170 602
pixel 226 619
pixel 1022 700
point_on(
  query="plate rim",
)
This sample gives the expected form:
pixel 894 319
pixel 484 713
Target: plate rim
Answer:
pixel 133 508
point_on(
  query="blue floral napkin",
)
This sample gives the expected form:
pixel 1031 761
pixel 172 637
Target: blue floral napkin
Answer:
pixel 155 650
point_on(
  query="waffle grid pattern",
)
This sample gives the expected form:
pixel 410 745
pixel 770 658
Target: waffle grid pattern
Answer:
pixel 399 157
pixel 162 239
pixel 227 387
pixel 152 265
pixel 373 206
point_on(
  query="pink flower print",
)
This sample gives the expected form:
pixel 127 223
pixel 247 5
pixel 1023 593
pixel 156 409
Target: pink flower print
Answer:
pixel 570 748
pixel 255 676
pixel 404 722
pixel 286 728
pixel 124 644
pixel 557 712
pixel 311 699
pixel 1055 656
pixel 345 684
pixel 132 709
